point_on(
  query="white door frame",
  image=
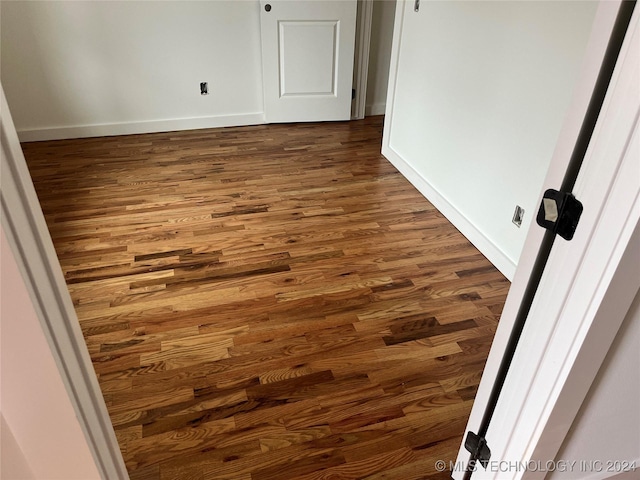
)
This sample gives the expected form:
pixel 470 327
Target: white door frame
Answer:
pixel 589 283
pixel 30 241
pixel 361 62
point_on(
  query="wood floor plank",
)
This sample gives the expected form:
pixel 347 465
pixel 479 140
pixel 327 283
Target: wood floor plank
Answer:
pixel 269 302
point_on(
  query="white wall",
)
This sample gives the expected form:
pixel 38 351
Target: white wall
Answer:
pixel 41 436
pixel 90 68
pixel 480 95
pixel 380 55
pixel 14 465
pixel 607 427
pixel 73 69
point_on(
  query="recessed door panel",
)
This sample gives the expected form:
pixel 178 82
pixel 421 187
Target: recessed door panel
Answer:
pixel 302 73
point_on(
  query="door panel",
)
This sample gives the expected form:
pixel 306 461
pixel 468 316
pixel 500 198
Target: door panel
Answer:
pixel 301 73
pixel 307 59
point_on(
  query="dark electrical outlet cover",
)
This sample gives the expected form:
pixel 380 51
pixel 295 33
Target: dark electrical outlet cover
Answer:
pixel 204 88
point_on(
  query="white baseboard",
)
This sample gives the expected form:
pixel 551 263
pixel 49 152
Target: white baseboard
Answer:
pixel 490 250
pixel 628 474
pixel 109 129
pixel 374 109
pixel 475 236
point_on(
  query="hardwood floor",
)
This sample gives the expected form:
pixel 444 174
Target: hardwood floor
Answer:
pixel 269 302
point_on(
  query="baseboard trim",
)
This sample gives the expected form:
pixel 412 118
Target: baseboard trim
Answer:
pixel 131 128
pixel 489 249
pixel 374 109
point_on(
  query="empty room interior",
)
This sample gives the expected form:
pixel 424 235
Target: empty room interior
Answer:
pixel 261 240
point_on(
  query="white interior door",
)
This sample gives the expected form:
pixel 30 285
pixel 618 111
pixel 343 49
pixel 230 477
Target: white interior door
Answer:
pixel 307 59
pixel 586 289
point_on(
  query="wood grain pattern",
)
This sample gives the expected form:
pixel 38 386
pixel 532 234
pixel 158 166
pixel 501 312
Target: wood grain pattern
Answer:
pixel 269 302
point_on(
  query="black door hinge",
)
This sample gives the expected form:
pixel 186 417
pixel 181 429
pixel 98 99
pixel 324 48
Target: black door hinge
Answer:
pixel 560 213
pixel 478 448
